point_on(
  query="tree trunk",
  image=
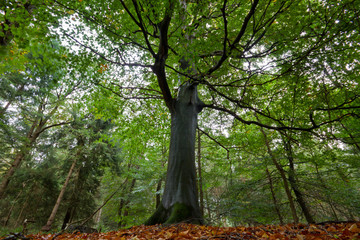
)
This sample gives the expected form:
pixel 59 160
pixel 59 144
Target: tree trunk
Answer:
pixel 19 218
pixel 158 195
pixel 123 211
pixel 6 179
pixel 11 208
pixel 276 205
pixel 200 185
pixel 180 198
pixel 68 217
pixel 283 177
pixel 293 183
pixel 37 127
pixel 31 137
pixel 51 219
pixel 328 198
pixel 73 201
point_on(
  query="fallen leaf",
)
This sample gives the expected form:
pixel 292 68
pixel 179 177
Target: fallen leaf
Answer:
pixel 300 237
pixel 354 228
pixel 348 231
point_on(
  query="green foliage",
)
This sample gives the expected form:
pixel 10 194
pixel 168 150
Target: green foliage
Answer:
pixel 292 69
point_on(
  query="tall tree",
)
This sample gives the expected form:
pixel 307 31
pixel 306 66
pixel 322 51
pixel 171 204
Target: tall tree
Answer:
pixel 35 104
pixel 242 56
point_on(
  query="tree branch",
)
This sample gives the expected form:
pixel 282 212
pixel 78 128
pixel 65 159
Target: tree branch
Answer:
pixel 213 139
pixel 54 125
pixel 161 56
pixel 142 27
pixel 237 39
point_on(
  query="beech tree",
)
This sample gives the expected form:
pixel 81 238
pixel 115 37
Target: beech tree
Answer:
pixel 280 65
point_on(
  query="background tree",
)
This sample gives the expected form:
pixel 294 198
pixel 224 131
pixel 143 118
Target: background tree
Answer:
pixel 34 99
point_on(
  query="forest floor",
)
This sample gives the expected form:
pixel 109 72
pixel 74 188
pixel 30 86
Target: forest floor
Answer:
pixel 348 230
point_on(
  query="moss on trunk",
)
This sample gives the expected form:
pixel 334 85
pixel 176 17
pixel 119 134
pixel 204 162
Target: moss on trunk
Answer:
pixel 179 212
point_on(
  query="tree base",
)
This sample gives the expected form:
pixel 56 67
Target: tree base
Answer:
pixel 46 228
pixel 179 212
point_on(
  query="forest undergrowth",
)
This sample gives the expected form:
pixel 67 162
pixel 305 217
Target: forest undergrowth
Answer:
pixel 343 230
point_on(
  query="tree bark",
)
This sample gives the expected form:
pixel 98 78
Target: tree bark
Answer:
pixel 180 198
pixel 283 177
pixel 200 185
pixel 328 198
pixel 31 137
pixel 6 179
pixel 68 217
pixel 38 126
pixel 158 195
pixel 293 183
pixel 48 225
pixel 11 208
pixel 123 207
pixel 73 201
pixel 276 205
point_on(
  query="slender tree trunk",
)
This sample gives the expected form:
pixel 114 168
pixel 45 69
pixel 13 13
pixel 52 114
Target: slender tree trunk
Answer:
pixel 158 195
pixel 51 219
pixel 180 198
pixel 67 218
pixel 72 206
pixel 11 208
pixel 208 205
pixel 18 220
pixel 276 205
pixel 31 137
pixel 200 185
pixel 123 207
pixel 6 179
pixel 283 177
pixel 293 183
pixel 328 199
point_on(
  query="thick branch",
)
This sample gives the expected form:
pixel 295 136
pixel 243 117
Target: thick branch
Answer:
pixel 278 128
pixel 161 56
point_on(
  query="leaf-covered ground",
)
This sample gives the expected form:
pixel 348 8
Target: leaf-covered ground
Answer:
pixel 187 231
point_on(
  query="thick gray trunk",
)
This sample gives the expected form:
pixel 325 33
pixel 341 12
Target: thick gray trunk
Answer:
pixel 180 198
